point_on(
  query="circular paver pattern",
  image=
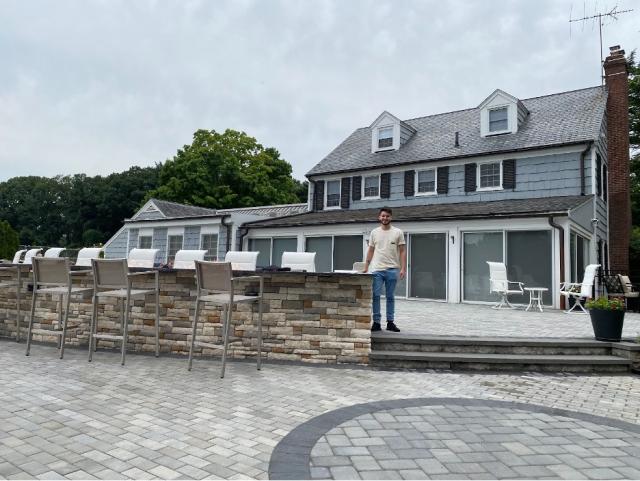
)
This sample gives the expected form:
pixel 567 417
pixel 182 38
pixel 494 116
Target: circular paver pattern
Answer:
pixel 436 438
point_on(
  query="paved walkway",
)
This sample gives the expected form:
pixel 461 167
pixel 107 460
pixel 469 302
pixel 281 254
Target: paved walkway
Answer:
pixel 439 318
pixel 153 419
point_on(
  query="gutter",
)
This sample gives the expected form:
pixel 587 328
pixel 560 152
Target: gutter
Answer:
pixel 584 152
pixel 223 221
pixel 561 235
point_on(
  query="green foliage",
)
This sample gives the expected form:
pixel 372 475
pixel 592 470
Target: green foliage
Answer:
pixel 227 170
pixel 8 240
pixel 613 304
pixel 634 101
pixel 634 141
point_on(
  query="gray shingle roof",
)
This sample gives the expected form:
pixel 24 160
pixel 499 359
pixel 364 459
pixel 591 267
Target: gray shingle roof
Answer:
pixel 434 212
pixel 558 119
pixel 173 210
pixel 268 210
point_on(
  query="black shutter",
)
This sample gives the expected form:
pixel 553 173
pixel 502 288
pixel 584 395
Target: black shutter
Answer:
pixel 385 186
pixel 356 191
pixel 470 177
pixel 409 182
pixel 605 186
pixel 318 195
pixel 443 179
pixel 345 192
pixel 598 175
pixel 509 174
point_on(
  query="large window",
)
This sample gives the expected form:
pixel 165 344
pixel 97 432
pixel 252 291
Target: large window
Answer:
pixel 579 256
pixel 174 245
pixel 478 248
pixel 499 119
pixel 426 181
pixel 371 187
pixel 333 193
pixel 270 250
pixel 428 266
pixel 335 252
pixel 385 137
pixel 144 242
pixel 209 242
pixel 263 247
pixel 490 175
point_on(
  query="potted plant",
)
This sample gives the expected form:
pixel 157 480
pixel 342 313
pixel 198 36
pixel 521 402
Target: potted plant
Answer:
pixel 607 317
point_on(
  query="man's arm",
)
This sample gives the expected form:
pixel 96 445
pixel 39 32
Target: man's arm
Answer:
pixel 367 260
pixel 403 261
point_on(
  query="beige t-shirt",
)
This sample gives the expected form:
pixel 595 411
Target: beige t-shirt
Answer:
pixel 386 243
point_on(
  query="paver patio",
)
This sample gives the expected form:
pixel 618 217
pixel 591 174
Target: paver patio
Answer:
pixel 154 419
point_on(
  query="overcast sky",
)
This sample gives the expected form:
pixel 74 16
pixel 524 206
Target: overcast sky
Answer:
pixel 98 86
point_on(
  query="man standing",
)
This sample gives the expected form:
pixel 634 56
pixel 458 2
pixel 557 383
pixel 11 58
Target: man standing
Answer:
pixel 387 256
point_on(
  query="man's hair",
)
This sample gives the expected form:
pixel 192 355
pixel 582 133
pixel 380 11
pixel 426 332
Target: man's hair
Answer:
pixel 385 209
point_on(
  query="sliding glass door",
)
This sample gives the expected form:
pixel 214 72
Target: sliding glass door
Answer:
pixel 478 248
pixel 428 278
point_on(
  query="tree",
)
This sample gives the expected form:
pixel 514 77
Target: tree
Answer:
pixel 634 142
pixel 8 240
pixel 227 170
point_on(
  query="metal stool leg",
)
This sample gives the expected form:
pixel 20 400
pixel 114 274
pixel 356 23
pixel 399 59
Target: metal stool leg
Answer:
pixel 125 330
pixel 64 324
pixel 33 311
pixel 19 303
pixel 94 322
pixel 196 314
pixel 226 337
pixel 259 333
pixel 60 316
pixel 157 280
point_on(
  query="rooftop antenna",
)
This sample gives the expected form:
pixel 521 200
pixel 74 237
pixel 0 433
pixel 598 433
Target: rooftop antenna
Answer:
pixel 599 16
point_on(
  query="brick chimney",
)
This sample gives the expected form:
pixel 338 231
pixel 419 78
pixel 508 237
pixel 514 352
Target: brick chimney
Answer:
pixel 616 79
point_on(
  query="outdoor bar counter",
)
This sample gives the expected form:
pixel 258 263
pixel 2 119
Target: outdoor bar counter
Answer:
pixel 310 317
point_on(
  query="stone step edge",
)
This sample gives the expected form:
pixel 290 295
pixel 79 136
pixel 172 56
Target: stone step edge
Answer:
pixel 499 341
pixel 497 358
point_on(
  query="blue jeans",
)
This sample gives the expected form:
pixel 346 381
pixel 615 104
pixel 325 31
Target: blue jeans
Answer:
pixel 389 278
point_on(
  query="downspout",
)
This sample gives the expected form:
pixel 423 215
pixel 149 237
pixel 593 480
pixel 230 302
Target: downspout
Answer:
pixel 242 232
pixel 584 152
pixel 223 221
pixel 561 236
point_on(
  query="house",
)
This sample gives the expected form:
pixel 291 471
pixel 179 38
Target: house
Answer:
pixel 541 184
pixel 169 227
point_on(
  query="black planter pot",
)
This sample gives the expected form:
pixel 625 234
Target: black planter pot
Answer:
pixel 607 325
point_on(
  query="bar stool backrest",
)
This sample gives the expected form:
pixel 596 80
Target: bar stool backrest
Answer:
pixel 142 257
pixel 185 258
pixel 18 255
pixel 31 253
pixel 86 254
pixel 359 266
pixel 53 252
pixel 214 276
pixel 299 261
pixel 50 271
pixel 110 273
pixel 242 260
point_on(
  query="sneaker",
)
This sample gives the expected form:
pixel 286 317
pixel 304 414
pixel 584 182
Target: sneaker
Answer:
pixel 376 327
pixel 391 326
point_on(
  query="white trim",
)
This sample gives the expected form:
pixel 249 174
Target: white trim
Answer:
pixel 174 234
pixel 202 234
pixel 326 193
pixel 497 132
pixel 145 208
pixel 210 229
pixel 377 138
pixel 362 187
pixel 175 231
pixel 484 189
pixel 201 221
pixel 147 231
pixel 146 235
pixel 416 192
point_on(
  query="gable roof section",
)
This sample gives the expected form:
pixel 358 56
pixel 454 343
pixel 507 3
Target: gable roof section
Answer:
pixel 268 210
pixel 435 212
pixel 554 120
pixel 171 210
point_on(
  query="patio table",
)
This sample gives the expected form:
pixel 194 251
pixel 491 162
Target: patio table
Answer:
pixel 535 297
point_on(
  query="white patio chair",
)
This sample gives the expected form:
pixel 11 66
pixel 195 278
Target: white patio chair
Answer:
pixel 56 277
pixel 17 256
pixel 215 285
pixel 299 261
pixel 142 257
pixel 359 266
pixel 499 284
pixel 86 254
pixel 242 260
pixel 185 259
pixel 31 253
pixel 111 278
pixel 579 290
pixel 53 252
pixel 628 289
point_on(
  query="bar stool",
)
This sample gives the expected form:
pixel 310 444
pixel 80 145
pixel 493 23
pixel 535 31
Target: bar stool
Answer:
pixel 55 273
pixel 17 284
pixel 111 278
pixel 217 278
pixel 30 254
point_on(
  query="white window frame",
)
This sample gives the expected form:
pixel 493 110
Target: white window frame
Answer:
pixel 497 132
pixel 435 182
pixel 174 234
pixel 365 241
pixel 372 197
pixel 326 193
pixel 202 234
pixel 145 236
pixel 498 187
pixel 393 138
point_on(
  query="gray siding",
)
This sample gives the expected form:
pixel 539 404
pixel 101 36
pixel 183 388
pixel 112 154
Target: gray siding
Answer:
pixel 159 241
pixel 117 249
pixel 405 133
pixel 133 239
pixel 191 237
pixel 583 215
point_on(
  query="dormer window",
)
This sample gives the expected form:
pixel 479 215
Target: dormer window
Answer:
pixel 385 137
pixel 499 120
pixel 332 200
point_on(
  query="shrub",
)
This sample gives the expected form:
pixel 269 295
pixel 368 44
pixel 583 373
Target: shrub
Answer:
pixel 613 304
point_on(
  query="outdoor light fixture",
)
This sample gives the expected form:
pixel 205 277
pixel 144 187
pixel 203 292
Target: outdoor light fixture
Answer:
pixel 453 239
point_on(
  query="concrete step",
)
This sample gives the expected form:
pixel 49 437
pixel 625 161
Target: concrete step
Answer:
pixel 499 362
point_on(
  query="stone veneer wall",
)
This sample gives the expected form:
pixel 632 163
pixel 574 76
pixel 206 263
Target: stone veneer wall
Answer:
pixel 316 318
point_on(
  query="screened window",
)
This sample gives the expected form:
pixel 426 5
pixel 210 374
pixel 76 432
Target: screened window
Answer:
pixel 385 137
pixel 333 193
pixel 209 242
pixel 489 175
pixel 144 242
pixel 371 186
pixel 322 246
pixel 579 255
pixel 346 251
pixel 175 244
pixel 426 180
pixel 280 245
pixel 478 248
pixel 263 247
pixel 499 119
pixel 604 183
pixel 529 261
